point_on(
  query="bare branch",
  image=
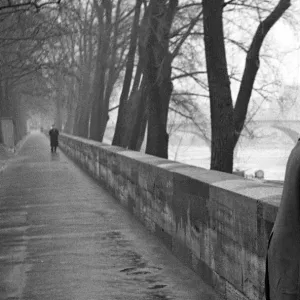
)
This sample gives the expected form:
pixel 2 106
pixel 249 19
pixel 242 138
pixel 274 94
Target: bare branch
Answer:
pixel 26 5
pixel 186 34
pixel 191 74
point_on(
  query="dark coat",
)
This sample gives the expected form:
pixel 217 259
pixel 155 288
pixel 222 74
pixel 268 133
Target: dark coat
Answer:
pixel 54 137
pixel 283 256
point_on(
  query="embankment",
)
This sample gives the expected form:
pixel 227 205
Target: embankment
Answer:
pixel 216 223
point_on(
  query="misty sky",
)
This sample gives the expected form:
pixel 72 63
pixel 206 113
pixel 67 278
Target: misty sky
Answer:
pixel 288 42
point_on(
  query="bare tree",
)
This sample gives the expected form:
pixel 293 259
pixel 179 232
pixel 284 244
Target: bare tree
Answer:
pixel 120 138
pixel 109 62
pixel 227 121
pixel 157 72
pixel 12 6
pixel 23 34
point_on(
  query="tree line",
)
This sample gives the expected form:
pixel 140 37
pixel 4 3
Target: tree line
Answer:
pixel 150 59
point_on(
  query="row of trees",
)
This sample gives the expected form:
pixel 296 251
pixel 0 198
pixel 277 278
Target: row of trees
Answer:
pixel 23 33
pixel 148 58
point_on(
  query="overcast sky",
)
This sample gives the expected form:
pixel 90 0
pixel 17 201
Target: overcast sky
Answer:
pixel 288 41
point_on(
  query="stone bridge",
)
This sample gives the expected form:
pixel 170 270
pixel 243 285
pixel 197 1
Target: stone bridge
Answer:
pixel 289 127
pixel 142 228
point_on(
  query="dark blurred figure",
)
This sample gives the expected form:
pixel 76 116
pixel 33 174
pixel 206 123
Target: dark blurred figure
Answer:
pixel 282 281
pixel 53 133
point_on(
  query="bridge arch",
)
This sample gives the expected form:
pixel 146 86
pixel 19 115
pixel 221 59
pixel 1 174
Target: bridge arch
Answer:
pixel 291 133
pixel 282 126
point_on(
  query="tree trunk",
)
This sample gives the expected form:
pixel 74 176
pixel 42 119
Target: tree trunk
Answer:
pixel 137 79
pixel 141 136
pixel 140 113
pixel 6 103
pixel 84 122
pixel 120 129
pixel 157 71
pixel 221 107
pixel 252 66
pixel 79 116
pixel 58 112
pixel 85 103
pixel 17 119
pixel 112 70
pixel 158 106
pixel 131 110
pixel 77 119
pixel 69 124
pixel 71 108
pixel 99 115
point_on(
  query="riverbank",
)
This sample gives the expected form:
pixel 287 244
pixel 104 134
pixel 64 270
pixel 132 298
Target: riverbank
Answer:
pixel 268 152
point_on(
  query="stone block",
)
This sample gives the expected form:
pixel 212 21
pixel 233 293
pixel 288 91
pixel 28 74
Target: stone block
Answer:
pixel 234 216
pixel 210 277
pixel 232 293
pixel 183 253
pixel 228 260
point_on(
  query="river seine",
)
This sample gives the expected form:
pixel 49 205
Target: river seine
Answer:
pixel 268 151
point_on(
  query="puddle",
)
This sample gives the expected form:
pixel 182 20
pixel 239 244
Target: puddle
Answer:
pixel 141 273
pixel 157 286
pixel 127 269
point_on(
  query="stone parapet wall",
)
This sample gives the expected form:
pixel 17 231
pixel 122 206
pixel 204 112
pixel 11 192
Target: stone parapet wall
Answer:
pixel 218 224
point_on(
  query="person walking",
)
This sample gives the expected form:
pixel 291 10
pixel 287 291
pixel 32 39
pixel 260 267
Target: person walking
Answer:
pixel 53 133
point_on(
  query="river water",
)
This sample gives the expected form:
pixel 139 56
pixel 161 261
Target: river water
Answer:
pixel 268 151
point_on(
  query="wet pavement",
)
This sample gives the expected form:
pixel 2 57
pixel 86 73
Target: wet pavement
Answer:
pixel 63 237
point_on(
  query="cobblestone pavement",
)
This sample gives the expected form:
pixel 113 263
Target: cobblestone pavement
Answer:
pixel 63 237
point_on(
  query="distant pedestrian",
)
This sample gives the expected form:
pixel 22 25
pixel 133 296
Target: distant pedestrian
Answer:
pixel 53 133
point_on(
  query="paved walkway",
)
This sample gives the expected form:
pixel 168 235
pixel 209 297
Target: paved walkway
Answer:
pixel 62 237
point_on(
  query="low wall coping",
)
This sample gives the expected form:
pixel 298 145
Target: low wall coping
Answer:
pixel 267 194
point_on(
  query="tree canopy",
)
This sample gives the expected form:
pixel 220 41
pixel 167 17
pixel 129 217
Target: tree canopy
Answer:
pixel 160 64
